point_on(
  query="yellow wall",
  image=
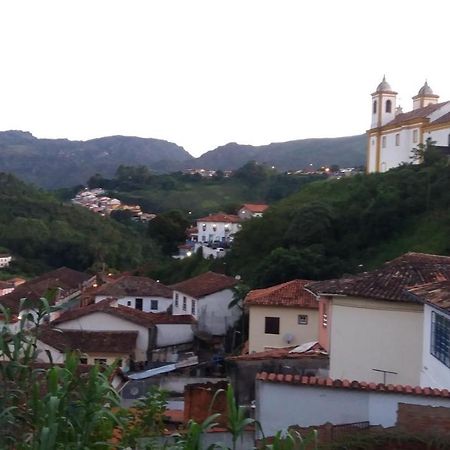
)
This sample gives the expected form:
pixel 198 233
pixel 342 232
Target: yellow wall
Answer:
pixel 288 324
pixel 370 334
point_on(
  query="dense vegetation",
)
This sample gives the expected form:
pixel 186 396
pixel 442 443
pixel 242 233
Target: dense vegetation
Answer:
pixel 251 183
pixel 348 225
pixel 42 233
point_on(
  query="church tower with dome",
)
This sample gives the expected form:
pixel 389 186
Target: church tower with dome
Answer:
pixel 394 134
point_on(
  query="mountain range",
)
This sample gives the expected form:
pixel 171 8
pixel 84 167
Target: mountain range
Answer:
pixel 54 163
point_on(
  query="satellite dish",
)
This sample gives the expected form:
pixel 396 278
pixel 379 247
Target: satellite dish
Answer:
pixel 288 338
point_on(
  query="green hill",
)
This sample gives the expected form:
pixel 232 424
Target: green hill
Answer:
pixel 42 233
pixel 348 225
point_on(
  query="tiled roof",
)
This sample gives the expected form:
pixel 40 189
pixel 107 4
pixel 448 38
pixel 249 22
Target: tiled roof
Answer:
pixel 205 284
pixel 290 294
pixel 315 350
pixel 89 341
pixel 255 208
pixel 6 285
pixel 220 217
pixel 128 285
pixel 351 385
pixel 390 282
pixel 126 313
pixel 437 294
pixel 66 279
pixel 419 113
pixel 443 119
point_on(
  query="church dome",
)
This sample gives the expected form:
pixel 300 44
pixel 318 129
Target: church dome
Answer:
pixel 425 90
pixel 384 86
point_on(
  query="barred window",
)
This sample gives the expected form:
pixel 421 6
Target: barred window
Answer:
pixel 440 338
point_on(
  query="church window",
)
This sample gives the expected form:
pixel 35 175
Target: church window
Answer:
pixel 448 140
pixel 388 106
pixel 383 141
pixel 374 106
pixel 415 136
pixel 397 139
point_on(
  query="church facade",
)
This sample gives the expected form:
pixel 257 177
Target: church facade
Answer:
pixel 394 134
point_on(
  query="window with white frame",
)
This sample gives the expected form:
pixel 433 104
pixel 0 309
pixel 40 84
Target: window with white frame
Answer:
pixel 154 305
pixel 184 303
pixel 415 136
pixel 193 305
pixel 397 139
pixel 440 338
pixel 383 141
pixel 176 300
pixel 302 319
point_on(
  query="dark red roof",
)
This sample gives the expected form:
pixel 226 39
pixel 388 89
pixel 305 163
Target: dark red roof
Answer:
pixel 443 119
pixel 390 282
pixel 255 208
pixel 124 312
pixel 351 385
pixel 89 341
pixel 436 294
pixel 220 217
pixel 290 294
pixel 419 113
pixel 6 285
pixel 205 284
pixel 128 285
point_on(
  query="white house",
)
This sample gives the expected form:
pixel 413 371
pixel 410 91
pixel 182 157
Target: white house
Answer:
pixel 5 260
pixel 394 134
pixel 435 370
pixel 140 293
pixel 250 210
pixel 218 228
pixel 154 330
pixel 371 326
pixel 285 400
pixel 206 297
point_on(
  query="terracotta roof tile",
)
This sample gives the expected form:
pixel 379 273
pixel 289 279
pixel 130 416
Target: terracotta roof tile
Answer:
pixel 290 294
pixel 205 284
pixel 124 312
pixel 255 208
pixel 443 119
pixel 436 294
pixel 419 113
pixel 328 383
pixel 220 217
pixel 128 285
pixel 392 280
pixel 89 341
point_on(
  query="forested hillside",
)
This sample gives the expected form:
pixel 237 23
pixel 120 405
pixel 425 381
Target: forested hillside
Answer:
pixel 42 233
pixel 346 226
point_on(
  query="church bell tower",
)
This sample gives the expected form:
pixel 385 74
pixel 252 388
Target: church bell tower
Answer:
pixel 383 104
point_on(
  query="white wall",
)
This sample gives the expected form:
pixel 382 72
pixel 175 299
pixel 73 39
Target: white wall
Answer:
pixel 441 137
pixel 100 321
pixel 280 405
pixel 173 334
pixel 223 231
pixel 372 334
pixel 163 302
pixel 433 373
pixel 179 310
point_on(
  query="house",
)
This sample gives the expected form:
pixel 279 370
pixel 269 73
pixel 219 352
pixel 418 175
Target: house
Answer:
pixel 95 347
pixel 155 331
pixel 5 287
pixel 282 315
pixel 250 210
pixel 218 228
pixel 141 293
pixel 286 400
pixel 207 298
pixel 65 284
pixel 5 260
pixel 394 134
pixel 435 369
pixel 371 326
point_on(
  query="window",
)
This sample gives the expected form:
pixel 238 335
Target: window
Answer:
pixel 176 300
pixel 415 136
pixel 128 302
pixel 204 227
pixel 154 305
pixel 139 302
pixel 397 139
pixel 440 338
pixel 302 319
pixel 83 360
pixel 324 315
pixel 272 325
pixel 193 307
pixel 214 227
pixel 448 143
pixel 184 304
pixel 100 361
pixel 374 108
pixel 383 141
pixel 388 106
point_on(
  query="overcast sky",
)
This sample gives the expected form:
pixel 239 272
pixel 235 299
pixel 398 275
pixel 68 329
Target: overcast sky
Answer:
pixel 204 73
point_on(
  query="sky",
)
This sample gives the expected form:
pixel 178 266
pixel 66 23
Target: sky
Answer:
pixel 202 73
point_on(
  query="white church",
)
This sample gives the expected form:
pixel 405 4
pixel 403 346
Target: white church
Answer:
pixel 394 133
